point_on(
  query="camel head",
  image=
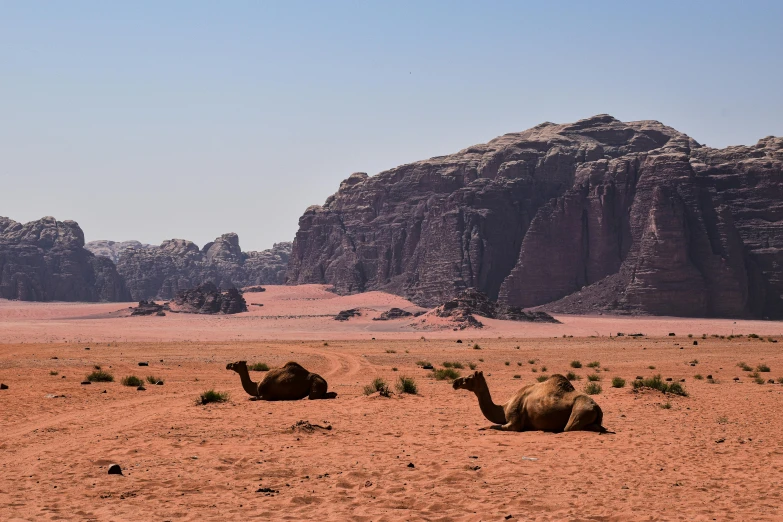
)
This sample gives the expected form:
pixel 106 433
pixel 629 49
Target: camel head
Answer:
pixel 239 366
pixel 471 382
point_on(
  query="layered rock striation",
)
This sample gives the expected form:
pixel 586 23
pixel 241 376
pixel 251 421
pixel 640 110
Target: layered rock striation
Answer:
pixel 45 260
pixel 177 264
pixel 598 215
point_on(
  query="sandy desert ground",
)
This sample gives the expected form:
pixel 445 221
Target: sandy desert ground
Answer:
pixel 716 454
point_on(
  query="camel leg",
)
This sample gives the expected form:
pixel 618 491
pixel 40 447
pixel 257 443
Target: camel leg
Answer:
pixel 585 416
pixel 318 390
pixel 515 422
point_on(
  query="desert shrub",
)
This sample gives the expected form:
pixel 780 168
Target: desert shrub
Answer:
pixel 744 367
pixel 258 367
pixel 531 361
pixel 519 363
pixel 694 361
pixel 593 388
pixel 391 351
pixel 212 396
pixel 517 376
pixel 759 380
pixel 723 420
pixel 542 378
pixel 476 347
pixel 423 363
pixel 153 380
pixel 442 374
pixel 472 366
pixel 618 382
pixel 690 335
pixel 407 385
pixel 96 367
pixel 571 376
pixel 651 367
pixel 507 363
pixel 377 385
pixel 481 359
pixel 447 365
pixel 454 364
pixel 543 368
pixel 676 389
pixel 753 336
pixel 576 364
pixel 100 376
pixel 132 380
pixel 394 369
pixel 593 377
pixel 780 380
pixel 593 364
pixel 667 405
pixel 534 370
pixel 762 368
pixel 698 377
pixel 54 372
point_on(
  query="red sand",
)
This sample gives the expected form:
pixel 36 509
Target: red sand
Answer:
pixel 189 462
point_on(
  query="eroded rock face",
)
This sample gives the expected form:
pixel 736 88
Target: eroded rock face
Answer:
pixel 178 264
pixel 471 302
pixel 113 249
pixel 208 299
pixel 45 260
pixel 596 215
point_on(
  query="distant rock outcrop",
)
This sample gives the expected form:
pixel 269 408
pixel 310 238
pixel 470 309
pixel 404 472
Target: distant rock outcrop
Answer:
pixel 472 302
pixel 45 260
pixel 177 264
pixel 113 249
pixel 393 313
pixel 208 299
pixel 597 215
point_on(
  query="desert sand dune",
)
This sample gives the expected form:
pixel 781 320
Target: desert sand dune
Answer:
pixel 715 454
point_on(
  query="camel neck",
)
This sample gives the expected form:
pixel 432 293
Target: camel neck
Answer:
pixel 249 386
pixel 491 411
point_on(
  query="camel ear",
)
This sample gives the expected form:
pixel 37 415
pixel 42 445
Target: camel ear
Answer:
pixel 242 362
pixel 480 373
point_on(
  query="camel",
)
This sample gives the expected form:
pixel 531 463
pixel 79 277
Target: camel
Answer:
pixel 289 383
pixel 552 405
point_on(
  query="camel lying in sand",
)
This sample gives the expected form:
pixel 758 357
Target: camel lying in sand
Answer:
pixel 552 405
pixel 289 383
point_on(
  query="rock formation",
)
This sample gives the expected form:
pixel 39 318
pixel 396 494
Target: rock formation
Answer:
pixel 393 313
pixel 45 260
pixel 471 302
pixel 208 299
pixel 177 264
pixel 113 249
pixel 598 215
pixel 149 308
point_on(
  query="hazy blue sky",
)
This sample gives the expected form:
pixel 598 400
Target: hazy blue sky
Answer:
pixel 151 120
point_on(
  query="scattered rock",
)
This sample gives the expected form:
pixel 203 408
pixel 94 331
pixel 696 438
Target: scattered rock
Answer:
pixel 671 334
pixel 144 363
pixel 720 440
pixel 84 383
pixel 392 313
pixel 410 465
pixel 115 469
pixel 709 376
pixel 427 367
pixel 268 491
pixel 3 386
pixel 141 388
pixel 147 308
pixel 159 383
pixel 695 343
pixel 307 427
pixel 462 308
pixel 344 315
pixel 207 299
pixel 255 288
pixel 668 379
pixel 459 341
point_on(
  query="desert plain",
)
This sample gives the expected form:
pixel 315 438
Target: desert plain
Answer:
pixel 715 454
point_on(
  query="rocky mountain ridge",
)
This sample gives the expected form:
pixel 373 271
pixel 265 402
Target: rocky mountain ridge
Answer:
pixel 178 264
pixel 598 215
pixel 45 260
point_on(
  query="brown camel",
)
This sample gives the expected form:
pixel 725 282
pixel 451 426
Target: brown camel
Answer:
pixel 289 383
pixel 552 405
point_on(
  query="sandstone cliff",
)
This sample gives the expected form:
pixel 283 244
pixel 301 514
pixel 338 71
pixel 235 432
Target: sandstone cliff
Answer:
pixel 597 215
pixel 45 260
pixel 178 264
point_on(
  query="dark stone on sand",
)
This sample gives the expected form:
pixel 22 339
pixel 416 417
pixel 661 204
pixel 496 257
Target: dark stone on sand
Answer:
pixel 84 383
pixel 141 388
pixel 709 376
pixel 3 386
pixel 695 343
pixel 115 469
pixel 344 315
pixel 671 334
pixel 410 465
pixel 143 363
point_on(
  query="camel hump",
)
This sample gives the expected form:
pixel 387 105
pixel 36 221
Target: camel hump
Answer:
pixel 561 383
pixel 293 365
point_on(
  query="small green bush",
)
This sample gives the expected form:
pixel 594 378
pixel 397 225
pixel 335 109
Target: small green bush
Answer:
pixel 212 396
pixel 576 364
pixel 762 368
pixel 377 385
pixel 542 378
pixel 651 367
pixel 54 373
pixel 531 361
pixel 744 367
pixel 753 336
pixel 476 347
pixel 258 367
pixel 593 388
pixel 759 380
pixel 153 380
pixel 593 377
pixel 676 389
pixel 472 366
pixel 391 351
pixel 100 376
pixel 543 368
pixel 132 380
pixel 507 363
pixel 407 385
pixel 593 364
pixel 442 374
pixel 618 382
pixel 667 405
pixel 780 380
pixel 571 376
pixel 698 377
